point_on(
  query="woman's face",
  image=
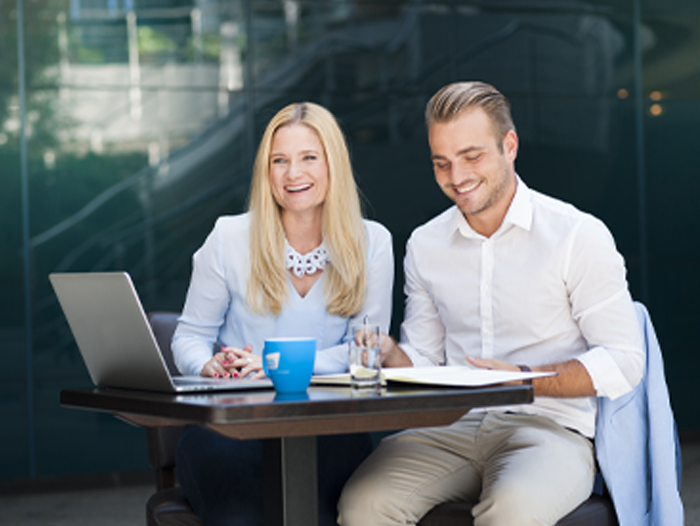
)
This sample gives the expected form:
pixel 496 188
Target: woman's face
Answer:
pixel 298 170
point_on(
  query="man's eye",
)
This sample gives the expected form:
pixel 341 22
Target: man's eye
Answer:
pixel 473 158
pixel 442 166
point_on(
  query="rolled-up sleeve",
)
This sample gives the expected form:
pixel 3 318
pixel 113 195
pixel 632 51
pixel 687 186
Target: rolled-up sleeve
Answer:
pixel 602 308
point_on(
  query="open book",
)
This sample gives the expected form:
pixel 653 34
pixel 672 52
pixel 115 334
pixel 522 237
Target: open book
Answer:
pixel 448 375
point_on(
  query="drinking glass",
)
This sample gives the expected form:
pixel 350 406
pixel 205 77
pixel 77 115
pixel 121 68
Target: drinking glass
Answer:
pixel 365 356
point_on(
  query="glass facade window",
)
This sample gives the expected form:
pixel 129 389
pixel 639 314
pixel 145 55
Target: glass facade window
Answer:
pixel 128 126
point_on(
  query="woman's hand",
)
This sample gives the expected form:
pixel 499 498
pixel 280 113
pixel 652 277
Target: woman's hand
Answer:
pixel 232 362
pixel 244 362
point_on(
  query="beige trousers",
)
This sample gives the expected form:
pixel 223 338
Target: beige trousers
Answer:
pixel 518 470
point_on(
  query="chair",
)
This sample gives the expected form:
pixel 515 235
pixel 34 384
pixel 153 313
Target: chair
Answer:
pixel 598 510
pixel 169 507
pixel 163 325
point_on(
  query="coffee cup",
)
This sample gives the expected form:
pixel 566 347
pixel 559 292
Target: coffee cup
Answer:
pixel 289 363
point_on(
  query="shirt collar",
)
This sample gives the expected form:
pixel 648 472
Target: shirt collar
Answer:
pixel 519 214
pixel 520 211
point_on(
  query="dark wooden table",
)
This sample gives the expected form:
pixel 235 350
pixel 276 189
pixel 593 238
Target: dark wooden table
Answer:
pixel 289 425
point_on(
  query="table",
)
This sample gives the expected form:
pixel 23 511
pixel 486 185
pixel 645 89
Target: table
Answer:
pixel 289 424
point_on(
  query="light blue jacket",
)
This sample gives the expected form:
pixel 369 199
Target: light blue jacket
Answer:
pixel 637 445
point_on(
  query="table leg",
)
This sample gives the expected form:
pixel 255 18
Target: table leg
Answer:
pixel 291 485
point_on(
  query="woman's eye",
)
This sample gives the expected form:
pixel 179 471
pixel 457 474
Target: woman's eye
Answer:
pixel 309 157
pixel 278 160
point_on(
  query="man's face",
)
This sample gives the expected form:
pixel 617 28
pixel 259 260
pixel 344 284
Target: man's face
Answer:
pixel 471 168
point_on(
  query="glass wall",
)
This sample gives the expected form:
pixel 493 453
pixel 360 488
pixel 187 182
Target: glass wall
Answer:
pixel 128 126
pixel 672 125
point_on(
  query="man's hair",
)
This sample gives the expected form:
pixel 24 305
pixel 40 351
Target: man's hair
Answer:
pixel 454 99
pixel 344 232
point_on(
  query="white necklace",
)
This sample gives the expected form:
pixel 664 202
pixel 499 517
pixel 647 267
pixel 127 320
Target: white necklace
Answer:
pixel 308 263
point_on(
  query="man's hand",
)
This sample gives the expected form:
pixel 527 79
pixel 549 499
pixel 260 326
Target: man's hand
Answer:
pixel 392 354
pixel 571 381
pixel 489 363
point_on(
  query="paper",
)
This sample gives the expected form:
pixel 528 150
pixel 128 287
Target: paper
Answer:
pixel 449 375
pixel 457 375
pixel 342 379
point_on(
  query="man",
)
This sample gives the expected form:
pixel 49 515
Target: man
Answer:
pixel 506 279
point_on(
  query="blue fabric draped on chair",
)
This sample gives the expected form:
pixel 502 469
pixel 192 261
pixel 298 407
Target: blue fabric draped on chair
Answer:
pixel 637 445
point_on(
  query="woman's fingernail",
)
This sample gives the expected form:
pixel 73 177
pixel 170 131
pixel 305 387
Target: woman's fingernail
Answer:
pixel 235 375
pixel 224 362
pixel 216 375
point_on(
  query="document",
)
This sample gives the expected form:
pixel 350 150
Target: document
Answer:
pixel 448 375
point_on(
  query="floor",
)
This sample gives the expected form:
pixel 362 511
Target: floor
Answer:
pixel 690 486
pixel 125 505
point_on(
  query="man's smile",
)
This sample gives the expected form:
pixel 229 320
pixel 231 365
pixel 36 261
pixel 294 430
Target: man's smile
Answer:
pixel 466 187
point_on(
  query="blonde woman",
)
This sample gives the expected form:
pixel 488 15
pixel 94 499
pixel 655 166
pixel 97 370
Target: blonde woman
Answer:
pixel 301 262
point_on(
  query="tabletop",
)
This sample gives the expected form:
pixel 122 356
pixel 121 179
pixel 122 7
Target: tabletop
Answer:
pixel 319 411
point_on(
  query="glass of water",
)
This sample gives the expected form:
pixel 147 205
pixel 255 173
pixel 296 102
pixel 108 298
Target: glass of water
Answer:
pixel 365 356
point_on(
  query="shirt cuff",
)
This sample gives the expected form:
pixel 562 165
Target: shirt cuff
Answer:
pixel 418 359
pixel 607 378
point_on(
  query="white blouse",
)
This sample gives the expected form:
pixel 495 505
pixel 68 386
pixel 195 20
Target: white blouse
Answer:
pixel 215 312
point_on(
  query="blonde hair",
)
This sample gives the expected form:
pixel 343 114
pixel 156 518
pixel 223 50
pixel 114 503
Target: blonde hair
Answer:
pixel 452 100
pixel 343 230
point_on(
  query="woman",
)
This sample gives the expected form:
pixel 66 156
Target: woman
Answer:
pixel 301 262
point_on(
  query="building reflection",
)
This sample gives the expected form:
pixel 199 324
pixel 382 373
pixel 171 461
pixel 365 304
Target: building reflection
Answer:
pixel 143 118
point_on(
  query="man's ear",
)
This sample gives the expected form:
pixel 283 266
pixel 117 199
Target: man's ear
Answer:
pixel 510 145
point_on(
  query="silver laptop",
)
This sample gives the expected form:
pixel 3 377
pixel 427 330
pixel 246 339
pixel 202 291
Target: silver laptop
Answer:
pixel 115 338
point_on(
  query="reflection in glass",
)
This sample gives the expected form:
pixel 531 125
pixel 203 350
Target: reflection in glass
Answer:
pixel 142 118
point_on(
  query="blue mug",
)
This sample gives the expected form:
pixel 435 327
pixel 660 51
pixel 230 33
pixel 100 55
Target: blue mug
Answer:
pixel 289 363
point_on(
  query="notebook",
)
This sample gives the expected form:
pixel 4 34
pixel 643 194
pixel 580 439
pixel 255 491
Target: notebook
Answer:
pixel 115 339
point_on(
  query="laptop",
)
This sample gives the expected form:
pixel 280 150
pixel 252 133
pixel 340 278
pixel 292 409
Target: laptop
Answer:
pixel 115 339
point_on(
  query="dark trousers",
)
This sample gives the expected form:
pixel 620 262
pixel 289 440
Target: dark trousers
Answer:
pixel 223 478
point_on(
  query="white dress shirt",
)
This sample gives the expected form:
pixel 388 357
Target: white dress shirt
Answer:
pixel 215 310
pixel 546 287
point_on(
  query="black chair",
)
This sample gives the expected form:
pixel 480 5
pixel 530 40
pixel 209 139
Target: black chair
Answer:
pixel 169 507
pixel 596 511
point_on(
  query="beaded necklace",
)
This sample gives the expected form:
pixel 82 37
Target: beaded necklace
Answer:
pixel 308 263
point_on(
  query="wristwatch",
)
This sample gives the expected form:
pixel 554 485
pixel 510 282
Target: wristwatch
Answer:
pixel 526 369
